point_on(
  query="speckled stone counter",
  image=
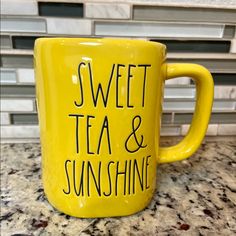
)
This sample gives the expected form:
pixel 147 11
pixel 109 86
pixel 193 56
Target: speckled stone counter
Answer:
pixel 193 197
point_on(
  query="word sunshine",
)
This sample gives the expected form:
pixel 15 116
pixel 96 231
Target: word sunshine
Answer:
pixel 122 76
pixel 113 178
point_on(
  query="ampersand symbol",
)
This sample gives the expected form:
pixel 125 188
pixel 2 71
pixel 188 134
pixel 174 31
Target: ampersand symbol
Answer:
pixel 133 134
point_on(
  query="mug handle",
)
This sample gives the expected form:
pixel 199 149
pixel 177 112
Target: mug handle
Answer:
pixel 204 93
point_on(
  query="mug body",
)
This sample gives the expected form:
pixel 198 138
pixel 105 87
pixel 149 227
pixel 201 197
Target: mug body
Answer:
pixel 99 104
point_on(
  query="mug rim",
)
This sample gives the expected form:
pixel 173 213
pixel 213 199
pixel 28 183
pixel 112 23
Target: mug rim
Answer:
pixel 102 40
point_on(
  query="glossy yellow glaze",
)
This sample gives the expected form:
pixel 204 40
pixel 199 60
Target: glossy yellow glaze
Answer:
pixel 99 104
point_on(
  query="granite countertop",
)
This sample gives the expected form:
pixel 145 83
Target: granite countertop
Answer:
pixel 193 197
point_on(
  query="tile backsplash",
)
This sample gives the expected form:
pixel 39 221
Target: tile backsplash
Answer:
pixel 194 32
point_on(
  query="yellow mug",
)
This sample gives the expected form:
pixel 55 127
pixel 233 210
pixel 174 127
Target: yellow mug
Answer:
pixel 100 104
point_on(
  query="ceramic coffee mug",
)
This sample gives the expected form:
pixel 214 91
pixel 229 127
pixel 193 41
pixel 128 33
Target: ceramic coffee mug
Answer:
pixel 100 105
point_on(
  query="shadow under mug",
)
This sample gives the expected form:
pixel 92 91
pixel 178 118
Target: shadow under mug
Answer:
pixel 100 105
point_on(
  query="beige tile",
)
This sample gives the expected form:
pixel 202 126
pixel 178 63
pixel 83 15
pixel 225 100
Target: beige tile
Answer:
pixel 68 26
pixel 179 92
pixel 19 7
pixel 226 92
pixel 17 105
pixel 25 75
pixel 227 129
pixel 107 10
pixel 233 46
pixel 170 130
pixel 20 131
pixel 5 119
pixel 179 81
pixel 211 130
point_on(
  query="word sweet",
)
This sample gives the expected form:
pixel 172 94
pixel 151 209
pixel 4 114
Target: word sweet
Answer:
pixel 116 75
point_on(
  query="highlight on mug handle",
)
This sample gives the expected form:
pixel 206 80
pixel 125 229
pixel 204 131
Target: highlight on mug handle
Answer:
pixel 204 99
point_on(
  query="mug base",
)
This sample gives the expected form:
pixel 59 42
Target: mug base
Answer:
pixel 101 211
